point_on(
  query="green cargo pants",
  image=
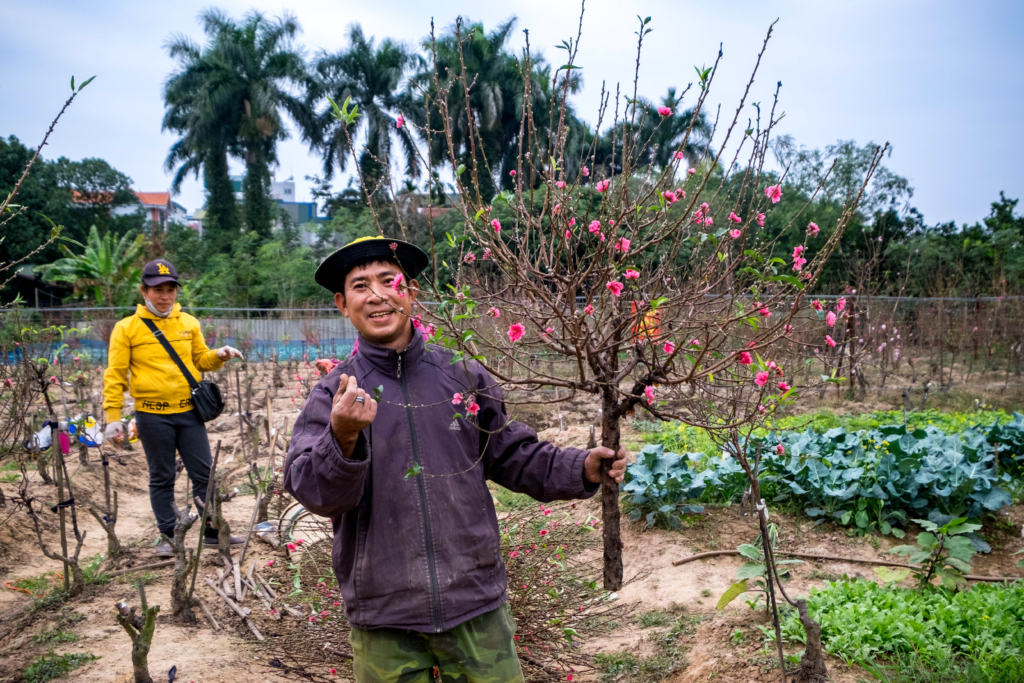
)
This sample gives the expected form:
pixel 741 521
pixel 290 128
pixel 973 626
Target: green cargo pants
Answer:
pixel 480 650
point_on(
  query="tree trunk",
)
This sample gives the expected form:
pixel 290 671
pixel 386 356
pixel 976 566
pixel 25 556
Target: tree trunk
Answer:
pixel 812 665
pixel 141 631
pixel 221 227
pixel 184 562
pixel 610 434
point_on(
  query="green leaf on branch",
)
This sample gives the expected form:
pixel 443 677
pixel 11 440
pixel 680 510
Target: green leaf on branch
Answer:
pixel 378 392
pixel 414 470
pixel 460 170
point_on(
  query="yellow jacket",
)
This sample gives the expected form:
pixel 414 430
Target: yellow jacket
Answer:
pixel 156 383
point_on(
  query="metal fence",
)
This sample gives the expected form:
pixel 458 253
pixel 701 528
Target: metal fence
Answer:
pixel 259 333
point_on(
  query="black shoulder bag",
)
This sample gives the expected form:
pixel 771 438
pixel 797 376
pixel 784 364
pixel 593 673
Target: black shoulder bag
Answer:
pixel 206 398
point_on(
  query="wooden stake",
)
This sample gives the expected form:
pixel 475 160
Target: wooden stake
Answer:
pixel 211 484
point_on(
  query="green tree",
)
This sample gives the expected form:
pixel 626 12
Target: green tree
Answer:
pixel 370 75
pixel 106 273
pixel 74 194
pixel 207 131
pixel 243 87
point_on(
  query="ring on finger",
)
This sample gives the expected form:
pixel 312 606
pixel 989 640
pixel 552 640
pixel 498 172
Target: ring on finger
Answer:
pixel 360 399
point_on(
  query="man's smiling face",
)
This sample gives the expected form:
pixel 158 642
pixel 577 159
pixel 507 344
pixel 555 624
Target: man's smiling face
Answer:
pixel 376 309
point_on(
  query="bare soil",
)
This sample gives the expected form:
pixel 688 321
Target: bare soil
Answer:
pixel 204 655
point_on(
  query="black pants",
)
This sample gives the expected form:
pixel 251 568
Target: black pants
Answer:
pixel 161 436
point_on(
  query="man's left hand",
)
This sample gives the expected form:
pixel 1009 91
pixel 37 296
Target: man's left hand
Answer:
pixel 592 465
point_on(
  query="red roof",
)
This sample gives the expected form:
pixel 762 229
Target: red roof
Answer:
pixel 154 198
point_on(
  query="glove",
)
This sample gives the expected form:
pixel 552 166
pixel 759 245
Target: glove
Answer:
pixel 114 432
pixel 228 352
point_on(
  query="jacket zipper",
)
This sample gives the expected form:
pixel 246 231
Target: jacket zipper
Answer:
pixel 435 592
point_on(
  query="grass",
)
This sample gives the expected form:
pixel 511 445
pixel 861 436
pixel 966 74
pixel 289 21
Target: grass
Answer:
pixel 56 666
pixel 509 501
pixel 55 635
pixel 627 667
pixel 654 618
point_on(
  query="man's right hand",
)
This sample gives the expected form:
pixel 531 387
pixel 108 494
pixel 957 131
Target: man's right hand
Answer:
pixel 349 416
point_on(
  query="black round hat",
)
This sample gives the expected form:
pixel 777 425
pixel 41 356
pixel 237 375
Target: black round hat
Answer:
pixel 331 273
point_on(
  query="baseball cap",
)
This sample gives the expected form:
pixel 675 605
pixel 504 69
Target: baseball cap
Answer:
pixel 158 272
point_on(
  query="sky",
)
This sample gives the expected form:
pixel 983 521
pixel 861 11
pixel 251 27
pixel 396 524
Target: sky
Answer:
pixel 941 81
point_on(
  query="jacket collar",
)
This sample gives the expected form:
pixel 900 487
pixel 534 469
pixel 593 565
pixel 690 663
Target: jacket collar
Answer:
pixel 386 360
pixel 143 312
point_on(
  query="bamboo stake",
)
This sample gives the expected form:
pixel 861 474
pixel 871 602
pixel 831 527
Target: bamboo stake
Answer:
pixel 155 565
pixel 209 615
pixel 239 595
pixel 238 610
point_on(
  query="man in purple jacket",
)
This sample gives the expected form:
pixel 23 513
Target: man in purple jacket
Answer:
pixel 418 559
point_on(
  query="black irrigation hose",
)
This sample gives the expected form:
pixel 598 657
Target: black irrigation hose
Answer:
pixel 812 556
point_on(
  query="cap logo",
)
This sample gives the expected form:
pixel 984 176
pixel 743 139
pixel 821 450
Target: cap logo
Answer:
pixel 163 270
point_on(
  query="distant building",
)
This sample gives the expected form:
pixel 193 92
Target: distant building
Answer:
pixel 283 191
pixel 157 207
pixel 197 220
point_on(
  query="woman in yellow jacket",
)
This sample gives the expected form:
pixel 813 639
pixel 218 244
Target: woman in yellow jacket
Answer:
pixel 164 416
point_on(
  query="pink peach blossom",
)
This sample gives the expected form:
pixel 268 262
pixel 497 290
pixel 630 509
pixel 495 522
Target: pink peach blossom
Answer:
pixel 734 218
pixel 841 304
pixel 456 399
pixel 669 347
pixel 615 287
pixel 589 310
pixel 735 233
pixel 631 274
pixel 761 379
pixel 602 185
pixel 516 332
pixel 493 312
pixel 473 408
pixel 830 341
pixel 400 122
pixel 679 156
pixel 783 387
pixel 496 225
pixel 774 193
pixel 595 226
pixel 664 111
pixel 813 229
pixel 649 391
pixel 745 358
pixel 760 219
pixel 585 171
pixel 830 319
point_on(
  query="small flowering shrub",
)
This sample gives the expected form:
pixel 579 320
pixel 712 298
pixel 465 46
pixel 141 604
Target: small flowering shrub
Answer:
pixel 554 588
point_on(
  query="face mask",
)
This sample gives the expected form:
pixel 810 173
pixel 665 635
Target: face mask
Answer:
pixel 154 311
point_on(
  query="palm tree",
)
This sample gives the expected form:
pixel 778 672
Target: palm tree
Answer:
pixel 370 75
pixel 207 133
pixel 655 139
pixel 493 73
pixel 107 273
pixel 242 82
